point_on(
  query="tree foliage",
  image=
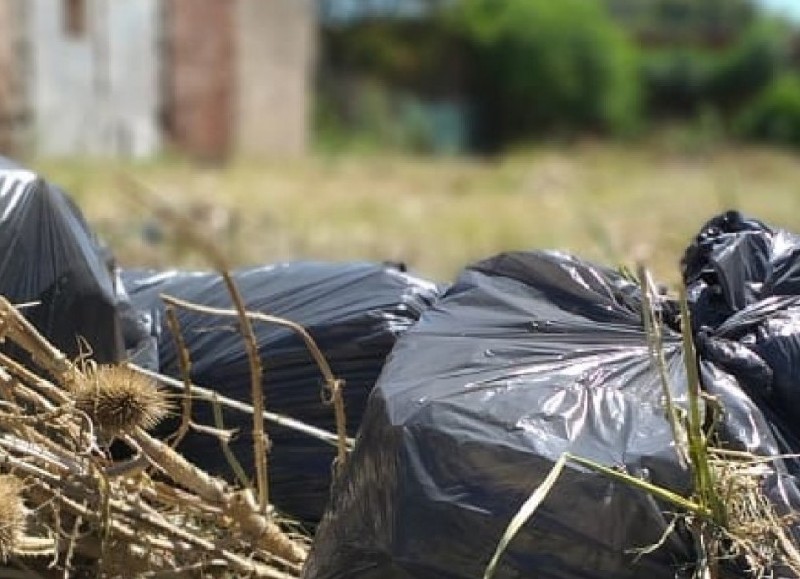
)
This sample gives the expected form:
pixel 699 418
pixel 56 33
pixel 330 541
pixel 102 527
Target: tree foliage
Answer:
pixel 545 66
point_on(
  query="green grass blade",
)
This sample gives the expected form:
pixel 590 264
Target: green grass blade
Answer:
pixel 525 512
pixel 693 380
pixel 705 486
pixel 656 491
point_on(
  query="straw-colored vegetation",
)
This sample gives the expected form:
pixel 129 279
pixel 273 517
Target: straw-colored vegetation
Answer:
pixel 609 202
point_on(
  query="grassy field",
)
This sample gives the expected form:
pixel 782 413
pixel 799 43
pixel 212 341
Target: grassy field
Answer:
pixel 608 202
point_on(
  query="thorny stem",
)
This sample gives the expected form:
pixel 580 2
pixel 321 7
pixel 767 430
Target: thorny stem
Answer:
pixel 256 391
pixel 185 228
pixel 332 382
pixel 210 395
pixel 185 365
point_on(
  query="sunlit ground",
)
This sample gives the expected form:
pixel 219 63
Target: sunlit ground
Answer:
pixel 608 202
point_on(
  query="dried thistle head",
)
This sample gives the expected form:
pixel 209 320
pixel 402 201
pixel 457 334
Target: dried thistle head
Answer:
pixel 12 514
pixel 118 400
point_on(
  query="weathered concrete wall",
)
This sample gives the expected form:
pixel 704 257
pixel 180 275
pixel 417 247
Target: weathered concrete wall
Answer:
pixel 95 92
pixel 200 76
pixel 133 68
pixel 276 44
pixel 221 76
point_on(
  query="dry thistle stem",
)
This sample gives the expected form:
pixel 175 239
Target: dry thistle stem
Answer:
pixel 243 509
pixel 12 514
pixel 119 400
pixel 107 514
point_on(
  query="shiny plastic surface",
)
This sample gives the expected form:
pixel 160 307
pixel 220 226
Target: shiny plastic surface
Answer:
pixel 49 255
pixel 743 280
pixel 527 356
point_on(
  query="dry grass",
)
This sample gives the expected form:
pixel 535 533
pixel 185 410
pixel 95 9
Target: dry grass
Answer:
pixel 604 201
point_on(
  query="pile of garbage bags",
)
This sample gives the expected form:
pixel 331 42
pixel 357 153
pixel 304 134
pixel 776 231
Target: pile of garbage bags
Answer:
pixel 530 355
pixel 462 398
pixel 71 289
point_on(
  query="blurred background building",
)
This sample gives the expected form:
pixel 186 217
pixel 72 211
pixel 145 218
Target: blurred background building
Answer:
pixel 212 79
pixel 131 77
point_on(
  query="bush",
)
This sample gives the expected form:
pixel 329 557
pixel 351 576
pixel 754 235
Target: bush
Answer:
pixel 760 56
pixel 774 115
pixel 676 81
pixel 547 66
pixel 682 80
pixel 394 84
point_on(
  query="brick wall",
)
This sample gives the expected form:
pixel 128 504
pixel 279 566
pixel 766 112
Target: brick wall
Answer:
pixel 199 76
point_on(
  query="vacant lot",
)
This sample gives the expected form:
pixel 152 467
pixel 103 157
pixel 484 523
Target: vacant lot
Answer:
pixel 612 203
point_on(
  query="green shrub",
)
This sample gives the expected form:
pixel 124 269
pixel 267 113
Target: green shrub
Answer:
pixel 546 66
pixel 758 58
pixel 774 115
pixel 676 80
pixel 682 80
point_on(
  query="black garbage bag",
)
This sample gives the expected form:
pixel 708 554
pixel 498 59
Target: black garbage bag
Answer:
pixel 527 356
pixel 743 283
pixel 354 312
pixel 49 255
pixel 735 263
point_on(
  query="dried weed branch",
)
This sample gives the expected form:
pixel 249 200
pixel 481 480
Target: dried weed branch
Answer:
pixel 210 396
pixel 185 366
pixel 333 384
pixel 183 227
pixel 66 505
